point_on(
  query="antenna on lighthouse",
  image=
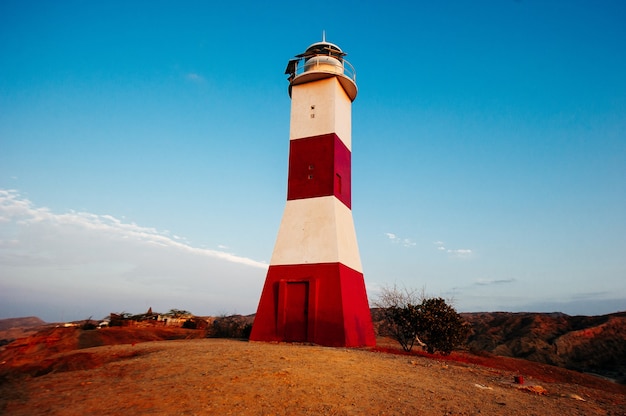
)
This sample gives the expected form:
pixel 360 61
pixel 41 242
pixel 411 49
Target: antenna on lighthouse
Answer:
pixel 323 36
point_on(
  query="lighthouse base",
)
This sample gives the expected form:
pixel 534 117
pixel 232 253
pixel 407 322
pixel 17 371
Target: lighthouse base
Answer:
pixel 324 304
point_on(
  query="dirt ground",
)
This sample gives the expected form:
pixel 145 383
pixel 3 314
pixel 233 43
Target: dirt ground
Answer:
pixel 230 377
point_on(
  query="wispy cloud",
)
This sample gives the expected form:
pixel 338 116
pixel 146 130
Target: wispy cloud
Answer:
pixel 15 208
pixel 194 77
pixel 459 252
pixel 85 255
pixel 488 282
pixel 406 242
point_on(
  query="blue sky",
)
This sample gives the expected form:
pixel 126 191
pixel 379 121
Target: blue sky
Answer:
pixel 144 145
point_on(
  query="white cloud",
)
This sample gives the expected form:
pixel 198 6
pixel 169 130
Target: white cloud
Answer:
pixel 487 282
pixel 440 245
pixel 192 76
pixel 56 260
pixel 461 251
pixel 406 242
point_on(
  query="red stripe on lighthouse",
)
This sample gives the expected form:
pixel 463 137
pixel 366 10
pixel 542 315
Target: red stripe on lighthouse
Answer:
pixel 332 307
pixel 320 166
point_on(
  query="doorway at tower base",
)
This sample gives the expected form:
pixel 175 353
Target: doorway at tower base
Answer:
pixel 324 304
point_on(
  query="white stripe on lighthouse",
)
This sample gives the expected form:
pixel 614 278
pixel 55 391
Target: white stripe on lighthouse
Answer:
pixel 317 230
pixel 321 107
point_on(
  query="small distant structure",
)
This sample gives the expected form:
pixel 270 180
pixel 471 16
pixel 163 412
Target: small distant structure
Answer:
pixel 174 318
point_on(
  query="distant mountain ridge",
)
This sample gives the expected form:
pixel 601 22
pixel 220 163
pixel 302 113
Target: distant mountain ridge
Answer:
pixel 594 344
pixel 14 328
pixel 22 323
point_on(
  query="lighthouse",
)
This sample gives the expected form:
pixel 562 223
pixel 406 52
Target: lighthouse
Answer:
pixel 314 289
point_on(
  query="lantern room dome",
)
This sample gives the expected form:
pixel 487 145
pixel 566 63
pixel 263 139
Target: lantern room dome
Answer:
pixel 322 60
pixel 324 48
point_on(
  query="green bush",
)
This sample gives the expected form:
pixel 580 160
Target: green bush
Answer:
pixel 400 323
pixel 431 322
pixel 234 326
pixel 440 327
pixel 190 324
pixel 88 325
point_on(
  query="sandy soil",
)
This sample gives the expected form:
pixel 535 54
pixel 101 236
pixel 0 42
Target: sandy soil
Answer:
pixel 229 377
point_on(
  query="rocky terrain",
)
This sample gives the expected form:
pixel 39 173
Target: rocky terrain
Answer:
pixel 14 328
pixel 148 368
pixel 593 344
pixel 158 370
pixel 21 323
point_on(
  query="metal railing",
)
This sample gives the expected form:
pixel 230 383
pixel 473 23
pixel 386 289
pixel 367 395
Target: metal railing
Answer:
pixel 335 66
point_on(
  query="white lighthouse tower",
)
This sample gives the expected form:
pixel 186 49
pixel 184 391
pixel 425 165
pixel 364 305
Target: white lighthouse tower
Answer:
pixel 314 290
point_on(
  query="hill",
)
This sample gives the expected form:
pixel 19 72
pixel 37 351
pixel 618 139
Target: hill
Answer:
pixel 14 328
pixel 594 344
pixel 224 376
pixel 22 323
